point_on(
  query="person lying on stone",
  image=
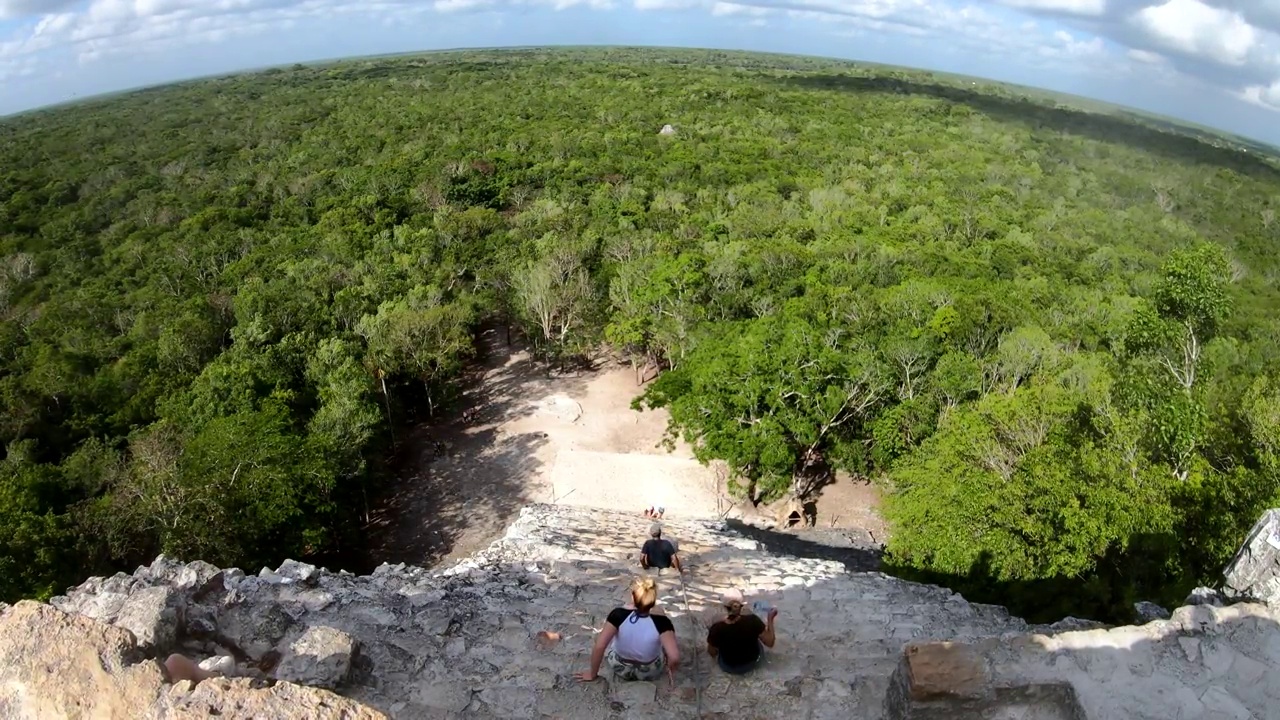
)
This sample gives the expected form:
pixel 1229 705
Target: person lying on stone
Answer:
pixel 738 641
pixel 658 553
pixel 636 643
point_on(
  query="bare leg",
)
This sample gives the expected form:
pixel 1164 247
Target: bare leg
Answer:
pixel 180 667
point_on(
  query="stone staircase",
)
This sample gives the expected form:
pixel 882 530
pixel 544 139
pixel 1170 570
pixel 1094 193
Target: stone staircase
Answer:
pixel 840 634
pixel 501 635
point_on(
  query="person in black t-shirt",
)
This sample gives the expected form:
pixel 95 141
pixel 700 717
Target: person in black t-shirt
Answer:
pixel 738 641
pixel 658 553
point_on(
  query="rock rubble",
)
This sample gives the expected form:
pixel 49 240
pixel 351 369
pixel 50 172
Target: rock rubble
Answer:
pixel 1254 573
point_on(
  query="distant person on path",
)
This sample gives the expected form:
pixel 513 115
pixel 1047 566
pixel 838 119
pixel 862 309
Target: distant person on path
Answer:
pixel 636 643
pixel 738 641
pixel 658 553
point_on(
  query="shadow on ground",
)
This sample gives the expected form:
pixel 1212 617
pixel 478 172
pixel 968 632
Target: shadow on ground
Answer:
pixel 814 545
pixel 1176 142
pixel 458 481
pixel 421 518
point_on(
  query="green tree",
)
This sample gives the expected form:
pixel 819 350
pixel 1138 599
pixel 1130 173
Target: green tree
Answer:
pixel 774 398
pixel 1189 305
pixel 554 296
pixel 420 335
pixel 36 543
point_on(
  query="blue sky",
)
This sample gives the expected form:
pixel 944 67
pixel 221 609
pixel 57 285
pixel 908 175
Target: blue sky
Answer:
pixel 1216 62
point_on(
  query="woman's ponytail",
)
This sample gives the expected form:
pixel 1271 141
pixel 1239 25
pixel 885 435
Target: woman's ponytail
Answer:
pixel 644 593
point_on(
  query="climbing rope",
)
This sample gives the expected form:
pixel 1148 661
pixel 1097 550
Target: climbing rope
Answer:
pixel 697 632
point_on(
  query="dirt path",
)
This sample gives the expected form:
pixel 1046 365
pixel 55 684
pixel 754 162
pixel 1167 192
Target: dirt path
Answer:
pixel 526 436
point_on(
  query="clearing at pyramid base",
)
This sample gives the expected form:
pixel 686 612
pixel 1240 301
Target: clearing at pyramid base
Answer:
pixel 502 634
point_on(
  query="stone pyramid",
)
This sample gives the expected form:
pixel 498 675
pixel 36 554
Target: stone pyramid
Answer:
pixel 500 635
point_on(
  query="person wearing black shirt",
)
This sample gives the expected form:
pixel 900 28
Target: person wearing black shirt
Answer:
pixel 658 553
pixel 738 641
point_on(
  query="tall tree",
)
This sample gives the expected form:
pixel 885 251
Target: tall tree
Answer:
pixel 780 399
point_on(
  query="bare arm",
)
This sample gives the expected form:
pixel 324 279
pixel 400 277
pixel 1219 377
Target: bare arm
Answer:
pixel 597 651
pixel 768 637
pixel 671 648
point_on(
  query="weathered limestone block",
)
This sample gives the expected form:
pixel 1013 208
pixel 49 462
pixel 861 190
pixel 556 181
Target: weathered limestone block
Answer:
pixel 240 699
pixel 298 571
pixel 1203 596
pixel 1204 662
pixel 1254 573
pixel 255 628
pixel 153 615
pixel 56 665
pixel 320 657
pixel 195 576
pixel 944 670
pixel 1146 612
pixel 200 621
pixel 59 665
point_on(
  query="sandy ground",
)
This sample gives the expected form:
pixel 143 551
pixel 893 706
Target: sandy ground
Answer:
pixel 530 436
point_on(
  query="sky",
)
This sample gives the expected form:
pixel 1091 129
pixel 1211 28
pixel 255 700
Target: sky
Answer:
pixel 1213 62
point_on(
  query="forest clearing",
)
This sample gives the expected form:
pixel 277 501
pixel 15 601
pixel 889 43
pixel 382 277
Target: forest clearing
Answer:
pixel 529 435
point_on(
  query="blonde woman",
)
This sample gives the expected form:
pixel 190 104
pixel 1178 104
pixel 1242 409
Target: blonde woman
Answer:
pixel 636 643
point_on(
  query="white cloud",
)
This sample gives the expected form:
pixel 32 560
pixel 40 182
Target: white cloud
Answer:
pixel 1067 7
pixel 665 4
pixel 1199 30
pixel 731 8
pixel 1066 45
pixel 1145 56
pixel 23 8
pixel 1263 96
pixel 460 5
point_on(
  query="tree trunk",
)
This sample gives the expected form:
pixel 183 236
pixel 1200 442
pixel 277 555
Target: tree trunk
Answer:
pixel 386 398
pixel 812 475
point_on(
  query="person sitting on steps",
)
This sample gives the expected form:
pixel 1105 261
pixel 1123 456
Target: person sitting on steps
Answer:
pixel 738 641
pixel 658 553
pixel 637 643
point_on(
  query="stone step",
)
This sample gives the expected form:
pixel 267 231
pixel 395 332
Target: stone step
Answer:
pixel 502 634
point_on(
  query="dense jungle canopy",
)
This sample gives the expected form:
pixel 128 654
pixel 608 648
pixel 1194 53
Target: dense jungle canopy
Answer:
pixel 1051 334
